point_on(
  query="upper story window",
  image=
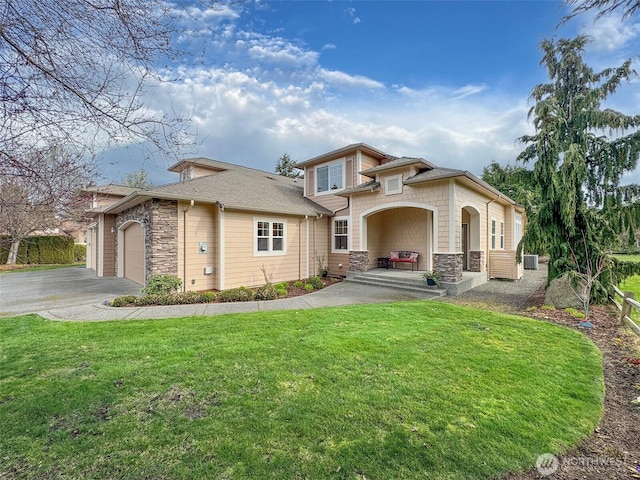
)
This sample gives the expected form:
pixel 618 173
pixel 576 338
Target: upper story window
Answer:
pixel 330 177
pixel 186 174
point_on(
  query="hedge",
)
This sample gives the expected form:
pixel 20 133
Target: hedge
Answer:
pixel 40 250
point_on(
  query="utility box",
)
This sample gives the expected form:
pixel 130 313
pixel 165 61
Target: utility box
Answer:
pixel 208 270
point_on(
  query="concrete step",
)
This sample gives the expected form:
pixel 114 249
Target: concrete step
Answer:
pixel 396 283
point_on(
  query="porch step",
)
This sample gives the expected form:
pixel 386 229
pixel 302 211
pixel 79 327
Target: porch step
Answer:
pixel 399 283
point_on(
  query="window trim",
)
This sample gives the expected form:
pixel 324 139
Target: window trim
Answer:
pixel 502 235
pixel 343 164
pixel 333 235
pixel 387 190
pixel 270 252
pixel 492 234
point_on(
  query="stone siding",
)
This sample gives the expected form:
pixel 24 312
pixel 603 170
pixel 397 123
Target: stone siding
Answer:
pixel 160 218
pixel 476 261
pixel 358 261
pixel 449 265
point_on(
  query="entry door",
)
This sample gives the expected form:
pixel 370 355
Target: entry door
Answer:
pixel 465 246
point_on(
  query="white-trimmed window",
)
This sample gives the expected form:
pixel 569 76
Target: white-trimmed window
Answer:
pixel 330 177
pixel 186 174
pixel 493 234
pixel 270 237
pixel 393 185
pixel 501 235
pixel 518 229
pixel 340 235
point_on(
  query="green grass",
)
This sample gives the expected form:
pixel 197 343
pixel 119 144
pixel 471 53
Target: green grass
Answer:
pixel 39 268
pixel 406 390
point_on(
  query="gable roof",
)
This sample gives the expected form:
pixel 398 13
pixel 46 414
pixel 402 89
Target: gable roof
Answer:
pixel 235 187
pixel 398 163
pixel 341 152
pixel 214 165
pixel 111 189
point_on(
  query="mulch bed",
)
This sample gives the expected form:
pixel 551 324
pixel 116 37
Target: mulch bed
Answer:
pixel 613 450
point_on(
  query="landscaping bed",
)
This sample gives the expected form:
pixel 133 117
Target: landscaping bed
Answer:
pixel 241 294
pixel 613 450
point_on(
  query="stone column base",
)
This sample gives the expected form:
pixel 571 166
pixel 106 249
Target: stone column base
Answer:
pixel 358 260
pixel 476 261
pixel 449 265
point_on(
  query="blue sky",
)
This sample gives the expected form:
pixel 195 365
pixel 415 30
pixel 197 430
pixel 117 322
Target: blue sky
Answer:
pixel 448 81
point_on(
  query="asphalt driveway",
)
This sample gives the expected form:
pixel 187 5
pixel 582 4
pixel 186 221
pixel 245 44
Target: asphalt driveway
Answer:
pixel 26 292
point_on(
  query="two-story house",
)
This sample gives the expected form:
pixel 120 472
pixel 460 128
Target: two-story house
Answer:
pixel 224 225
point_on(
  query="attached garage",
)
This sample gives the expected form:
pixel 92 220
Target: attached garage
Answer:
pixel 133 251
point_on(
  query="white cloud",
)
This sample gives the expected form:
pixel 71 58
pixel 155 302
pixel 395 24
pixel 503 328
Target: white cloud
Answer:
pixel 338 78
pixel 610 32
pixel 329 46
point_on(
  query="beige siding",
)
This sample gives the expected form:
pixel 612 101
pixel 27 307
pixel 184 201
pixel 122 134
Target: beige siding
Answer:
pixel 434 195
pixel 502 264
pixel 243 267
pixel 330 202
pixel 201 226
pixel 199 171
pixel 366 162
pixel 319 243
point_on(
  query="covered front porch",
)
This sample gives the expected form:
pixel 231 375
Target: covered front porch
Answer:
pixel 403 278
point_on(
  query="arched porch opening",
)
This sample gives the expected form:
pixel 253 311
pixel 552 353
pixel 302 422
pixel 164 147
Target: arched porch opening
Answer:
pixel 472 254
pixel 396 227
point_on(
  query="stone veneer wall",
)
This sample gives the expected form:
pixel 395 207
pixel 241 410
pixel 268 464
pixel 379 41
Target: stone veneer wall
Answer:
pixel 476 261
pixel 160 237
pixel 449 265
pixel 358 260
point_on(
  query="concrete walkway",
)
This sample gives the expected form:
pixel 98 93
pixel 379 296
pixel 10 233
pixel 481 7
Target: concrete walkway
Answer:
pixel 23 293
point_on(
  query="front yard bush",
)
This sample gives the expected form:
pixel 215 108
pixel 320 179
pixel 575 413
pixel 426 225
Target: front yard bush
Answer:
pixel 162 284
pixel 316 282
pixel 124 301
pixel 79 252
pixel 266 292
pixel 240 294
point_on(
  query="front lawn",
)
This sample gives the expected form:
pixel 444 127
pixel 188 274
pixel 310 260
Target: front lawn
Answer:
pixel 406 390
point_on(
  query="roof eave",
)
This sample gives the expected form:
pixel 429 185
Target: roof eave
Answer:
pixel 340 152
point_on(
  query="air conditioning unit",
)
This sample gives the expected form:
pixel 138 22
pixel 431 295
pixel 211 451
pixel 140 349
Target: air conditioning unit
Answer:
pixel 530 262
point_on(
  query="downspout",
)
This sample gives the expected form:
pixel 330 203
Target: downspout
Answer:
pixel 488 236
pixel 184 245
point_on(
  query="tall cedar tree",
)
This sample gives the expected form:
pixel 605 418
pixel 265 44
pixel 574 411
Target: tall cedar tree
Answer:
pixel 578 165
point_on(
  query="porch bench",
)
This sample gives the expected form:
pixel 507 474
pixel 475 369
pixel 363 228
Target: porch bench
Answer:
pixel 404 256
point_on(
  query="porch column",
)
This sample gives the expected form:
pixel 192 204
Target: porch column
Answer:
pixel 358 260
pixel 449 265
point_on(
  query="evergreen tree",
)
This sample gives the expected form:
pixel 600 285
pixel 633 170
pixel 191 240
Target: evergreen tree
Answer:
pixel 287 167
pixel 139 179
pixel 578 165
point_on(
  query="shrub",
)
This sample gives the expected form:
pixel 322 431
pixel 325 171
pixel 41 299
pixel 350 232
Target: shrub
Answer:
pixel 298 284
pixel 124 301
pixel 574 313
pixel 162 284
pixel 79 252
pixel 209 297
pixel 185 298
pixel 282 289
pixel 308 287
pixel 266 292
pixel 240 294
pixel 155 299
pixel 316 282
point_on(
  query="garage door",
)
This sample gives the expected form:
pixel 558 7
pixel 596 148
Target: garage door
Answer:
pixel 134 253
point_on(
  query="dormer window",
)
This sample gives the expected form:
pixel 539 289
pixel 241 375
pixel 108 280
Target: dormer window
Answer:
pixel 330 177
pixel 186 174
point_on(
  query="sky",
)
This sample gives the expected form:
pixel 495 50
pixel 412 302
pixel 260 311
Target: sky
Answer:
pixel 448 81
